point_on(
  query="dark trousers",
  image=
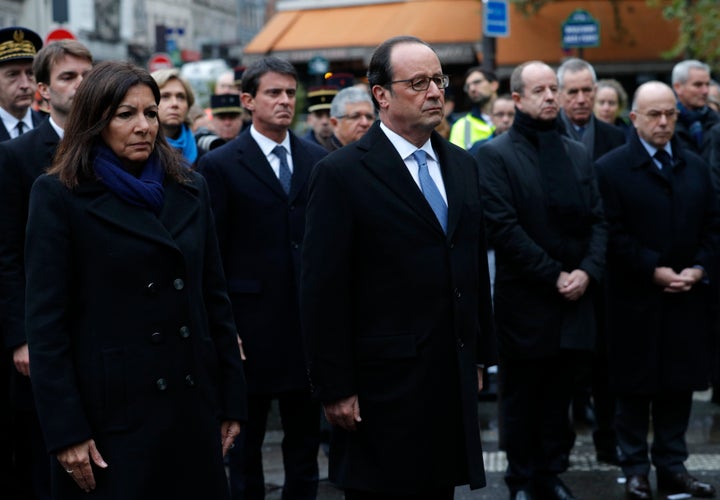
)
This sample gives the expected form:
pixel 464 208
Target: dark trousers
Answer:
pixel 535 396
pixel 24 462
pixel 670 415
pixel 443 494
pixel 604 403
pixel 603 399
pixel 301 438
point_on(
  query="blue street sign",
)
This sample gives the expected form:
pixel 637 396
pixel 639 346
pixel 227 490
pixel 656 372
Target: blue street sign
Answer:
pixel 496 18
pixel 318 65
pixel 580 30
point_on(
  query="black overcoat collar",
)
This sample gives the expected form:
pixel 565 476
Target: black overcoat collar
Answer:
pixel 180 206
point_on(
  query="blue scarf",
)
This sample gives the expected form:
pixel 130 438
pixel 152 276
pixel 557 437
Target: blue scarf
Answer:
pixel 185 143
pixel 146 191
pixel 693 120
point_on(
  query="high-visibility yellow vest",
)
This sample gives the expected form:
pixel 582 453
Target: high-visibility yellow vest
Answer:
pixel 468 130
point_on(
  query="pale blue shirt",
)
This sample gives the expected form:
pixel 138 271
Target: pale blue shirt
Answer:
pixel 405 149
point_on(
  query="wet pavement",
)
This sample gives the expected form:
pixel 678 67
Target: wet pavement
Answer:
pixel 588 479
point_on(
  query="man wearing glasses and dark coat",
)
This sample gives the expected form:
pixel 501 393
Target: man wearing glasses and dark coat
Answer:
pixel 394 292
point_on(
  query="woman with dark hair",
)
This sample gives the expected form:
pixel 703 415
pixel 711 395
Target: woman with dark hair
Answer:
pixel 132 341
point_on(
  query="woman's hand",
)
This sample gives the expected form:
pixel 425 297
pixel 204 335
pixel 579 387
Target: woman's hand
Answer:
pixel 76 462
pixel 229 430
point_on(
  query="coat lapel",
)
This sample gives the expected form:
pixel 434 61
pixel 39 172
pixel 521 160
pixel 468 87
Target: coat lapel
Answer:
pixel 453 180
pixel 301 167
pixel 49 139
pixel 4 135
pixel 172 217
pixel 383 160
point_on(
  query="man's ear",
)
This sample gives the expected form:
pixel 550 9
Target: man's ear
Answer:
pixel 44 91
pixel 381 95
pixel 247 100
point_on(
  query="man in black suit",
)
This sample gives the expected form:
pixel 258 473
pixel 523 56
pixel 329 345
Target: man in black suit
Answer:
pixel 663 249
pixel 395 298
pixel 59 69
pixel 258 189
pixel 545 222
pixel 17 82
pixel 578 84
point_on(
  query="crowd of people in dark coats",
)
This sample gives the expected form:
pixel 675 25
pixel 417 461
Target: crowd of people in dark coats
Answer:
pixel 160 289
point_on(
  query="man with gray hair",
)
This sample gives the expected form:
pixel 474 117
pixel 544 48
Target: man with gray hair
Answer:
pixel 351 115
pixel 577 85
pixel 691 83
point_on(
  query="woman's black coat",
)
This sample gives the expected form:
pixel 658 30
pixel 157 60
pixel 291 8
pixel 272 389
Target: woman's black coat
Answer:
pixel 132 339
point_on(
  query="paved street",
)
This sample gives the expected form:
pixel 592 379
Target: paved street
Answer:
pixel 587 479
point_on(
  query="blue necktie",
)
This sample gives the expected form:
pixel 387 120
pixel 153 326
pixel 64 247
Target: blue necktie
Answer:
pixel 285 176
pixel 430 189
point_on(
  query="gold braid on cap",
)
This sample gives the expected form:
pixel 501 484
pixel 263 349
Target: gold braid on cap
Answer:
pixel 18 46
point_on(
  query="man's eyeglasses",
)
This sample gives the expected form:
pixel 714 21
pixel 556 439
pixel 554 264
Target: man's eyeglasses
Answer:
pixel 655 114
pixel 356 116
pixel 421 84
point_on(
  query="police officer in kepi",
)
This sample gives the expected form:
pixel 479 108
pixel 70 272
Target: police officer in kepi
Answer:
pixel 319 101
pixel 225 125
pixel 18 47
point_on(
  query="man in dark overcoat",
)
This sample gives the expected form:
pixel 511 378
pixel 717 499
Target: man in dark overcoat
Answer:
pixel 258 186
pixel 578 85
pixel 58 69
pixel 663 247
pixel 545 222
pixel 691 84
pixel 395 297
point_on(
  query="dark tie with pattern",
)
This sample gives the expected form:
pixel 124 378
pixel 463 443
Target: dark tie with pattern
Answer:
pixel 666 161
pixel 285 176
pixel 430 189
pixel 20 126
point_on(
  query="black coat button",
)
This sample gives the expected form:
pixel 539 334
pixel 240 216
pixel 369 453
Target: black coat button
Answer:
pixel 460 343
pixel 184 332
pixel 179 284
pixel 457 293
pixel 161 384
pixel 152 288
pixel 189 381
pixel 156 338
pixel 295 245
